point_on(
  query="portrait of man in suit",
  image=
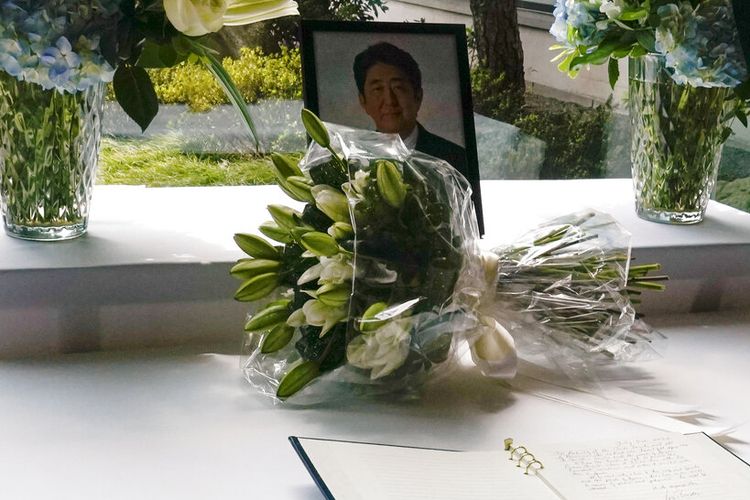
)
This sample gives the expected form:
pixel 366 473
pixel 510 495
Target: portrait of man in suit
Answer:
pixel 389 83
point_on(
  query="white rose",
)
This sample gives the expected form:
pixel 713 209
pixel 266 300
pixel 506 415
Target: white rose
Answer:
pixel 382 351
pixel 196 17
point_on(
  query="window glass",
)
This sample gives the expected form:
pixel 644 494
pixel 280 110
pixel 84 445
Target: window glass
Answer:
pixel 566 128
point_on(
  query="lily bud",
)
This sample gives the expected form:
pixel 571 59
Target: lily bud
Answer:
pixel 341 230
pixel 321 244
pixel 272 314
pixel 300 231
pixel 290 191
pixel 277 338
pixel 297 378
pixel 301 185
pixel 246 269
pixel 257 287
pixel 390 183
pixel 285 217
pixel 285 167
pixel 315 128
pixel 272 230
pixel 334 295
pixel 331 202
pixel 368 322
pixel 255 246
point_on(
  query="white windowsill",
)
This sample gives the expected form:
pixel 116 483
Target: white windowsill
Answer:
pixel 153 269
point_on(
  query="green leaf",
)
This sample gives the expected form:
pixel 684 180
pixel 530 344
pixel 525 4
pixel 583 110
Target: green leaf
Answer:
pixel 156 55
pixel 646 39
pixel 638 51
pixel 297 378
pixel 614 72
pixel 633 15
pixel 741 116
pixel 315 128
pixel 277 338
pixel 135 94
pixel 598 56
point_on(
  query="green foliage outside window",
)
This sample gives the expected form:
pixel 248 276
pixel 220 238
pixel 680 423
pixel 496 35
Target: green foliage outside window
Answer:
pixel 574 134
pixel 257 76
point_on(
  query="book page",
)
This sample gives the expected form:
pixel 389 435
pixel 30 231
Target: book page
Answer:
pixel 357 471
pixel 660 467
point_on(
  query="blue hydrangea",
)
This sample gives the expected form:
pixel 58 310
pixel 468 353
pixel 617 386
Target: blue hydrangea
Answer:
pixel 707 52
pixel 700 43
pixel 50 44
pixel 576 23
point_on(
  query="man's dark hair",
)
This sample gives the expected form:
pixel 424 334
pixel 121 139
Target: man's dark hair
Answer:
pixel 386 53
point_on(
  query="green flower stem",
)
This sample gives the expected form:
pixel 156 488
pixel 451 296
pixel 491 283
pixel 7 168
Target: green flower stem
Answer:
pixel 678 132
pixel 48 150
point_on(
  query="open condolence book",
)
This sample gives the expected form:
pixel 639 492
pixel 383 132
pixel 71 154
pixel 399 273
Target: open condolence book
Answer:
pixel 655 467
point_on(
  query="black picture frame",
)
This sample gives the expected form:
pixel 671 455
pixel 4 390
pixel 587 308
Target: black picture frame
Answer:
pixel 447 49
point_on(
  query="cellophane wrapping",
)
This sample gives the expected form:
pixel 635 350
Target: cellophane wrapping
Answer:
pixel 566 289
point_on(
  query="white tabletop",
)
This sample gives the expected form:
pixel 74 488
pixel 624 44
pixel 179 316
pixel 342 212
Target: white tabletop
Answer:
pixel 164 424
pixel 132 225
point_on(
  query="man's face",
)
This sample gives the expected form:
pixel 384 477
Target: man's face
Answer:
pixel 390 99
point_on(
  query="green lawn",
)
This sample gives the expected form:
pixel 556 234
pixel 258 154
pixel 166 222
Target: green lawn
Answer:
pixel 161 163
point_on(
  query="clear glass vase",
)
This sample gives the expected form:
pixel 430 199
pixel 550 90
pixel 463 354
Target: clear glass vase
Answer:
pixel 49 146
pixel 677 136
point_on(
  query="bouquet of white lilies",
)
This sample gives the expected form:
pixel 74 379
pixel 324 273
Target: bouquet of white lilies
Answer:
pixel 378 281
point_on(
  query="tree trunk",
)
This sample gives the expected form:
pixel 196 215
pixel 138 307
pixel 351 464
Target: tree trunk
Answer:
pixel 498 41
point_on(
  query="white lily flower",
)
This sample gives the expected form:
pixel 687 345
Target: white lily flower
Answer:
pixel 296 319
pixel 319 314
pixel 199 17
pixel 196 17
pixel 311 274
pixel 361 181
pixel 335 270
pixel 243 12
pixel 381 351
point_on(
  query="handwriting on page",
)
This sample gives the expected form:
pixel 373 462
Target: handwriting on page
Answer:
pixel 657 468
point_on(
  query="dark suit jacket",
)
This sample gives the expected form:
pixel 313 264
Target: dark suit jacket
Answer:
pixel 434 145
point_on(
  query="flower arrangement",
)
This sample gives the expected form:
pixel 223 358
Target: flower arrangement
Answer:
pixel 378 282
pixel 71 46
pixel 699 38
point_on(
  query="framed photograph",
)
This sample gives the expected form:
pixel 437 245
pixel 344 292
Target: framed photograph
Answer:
pixel 406 78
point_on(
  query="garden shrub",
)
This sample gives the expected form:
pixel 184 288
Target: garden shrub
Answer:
pixel 575 137
pixel 574 134
pixel 257 76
